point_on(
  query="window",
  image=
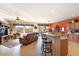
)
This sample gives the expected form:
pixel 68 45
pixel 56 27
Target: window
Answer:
pixel 24 29
pixel 28 29
pixel 19 29
pixel 62 29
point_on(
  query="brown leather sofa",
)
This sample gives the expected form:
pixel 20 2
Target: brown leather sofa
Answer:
pixel 29 38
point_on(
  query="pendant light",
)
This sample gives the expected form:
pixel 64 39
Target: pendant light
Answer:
pixel 17 19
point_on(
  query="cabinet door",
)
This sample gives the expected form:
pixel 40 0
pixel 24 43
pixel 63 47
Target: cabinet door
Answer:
pixel 77 26
pixel 72 26
pixel 76 38
pixel 71 37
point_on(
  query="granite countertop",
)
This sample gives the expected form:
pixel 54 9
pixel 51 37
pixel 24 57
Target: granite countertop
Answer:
pixel 76 33
pixel 73 33
pixel 60 36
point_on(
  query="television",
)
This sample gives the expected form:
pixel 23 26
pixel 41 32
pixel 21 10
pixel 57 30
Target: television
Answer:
pixel 2 31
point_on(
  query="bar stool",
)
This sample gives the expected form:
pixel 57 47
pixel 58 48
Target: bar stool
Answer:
pixel 46 45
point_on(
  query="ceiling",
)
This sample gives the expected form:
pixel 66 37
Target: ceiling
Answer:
pixel 38 12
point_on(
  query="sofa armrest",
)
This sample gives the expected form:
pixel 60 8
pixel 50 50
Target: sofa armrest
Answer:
pixel 20 40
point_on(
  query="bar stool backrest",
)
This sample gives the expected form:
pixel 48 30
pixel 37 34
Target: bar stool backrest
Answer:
pixel 44 36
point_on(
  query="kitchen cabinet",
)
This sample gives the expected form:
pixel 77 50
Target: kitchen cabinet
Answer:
pixel 76 26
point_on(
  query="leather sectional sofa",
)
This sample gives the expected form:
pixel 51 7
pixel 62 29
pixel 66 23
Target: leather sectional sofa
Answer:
pixel 29 38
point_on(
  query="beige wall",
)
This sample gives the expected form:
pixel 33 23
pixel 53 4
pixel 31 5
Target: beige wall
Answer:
pixel 73 48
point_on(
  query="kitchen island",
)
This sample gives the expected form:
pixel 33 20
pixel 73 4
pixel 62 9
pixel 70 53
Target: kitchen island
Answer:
pixel 59 44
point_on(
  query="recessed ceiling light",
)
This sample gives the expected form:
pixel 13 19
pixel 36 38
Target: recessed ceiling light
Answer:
pixel 53 11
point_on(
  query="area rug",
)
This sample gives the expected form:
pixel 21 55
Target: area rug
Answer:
pixel 11 43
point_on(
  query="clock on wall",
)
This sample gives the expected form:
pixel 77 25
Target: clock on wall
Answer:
pixel 35 27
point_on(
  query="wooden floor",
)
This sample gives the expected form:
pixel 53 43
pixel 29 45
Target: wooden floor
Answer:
pixel 33 49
